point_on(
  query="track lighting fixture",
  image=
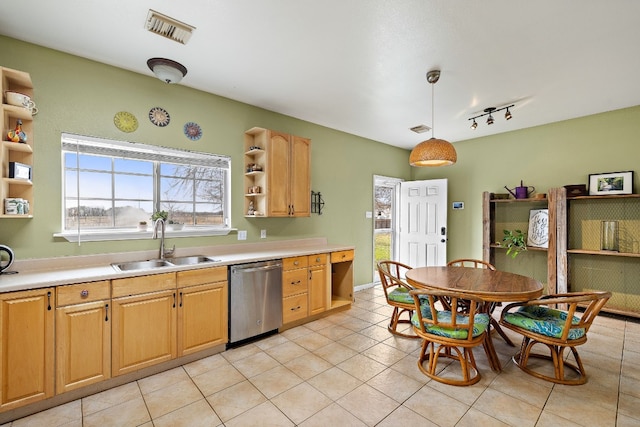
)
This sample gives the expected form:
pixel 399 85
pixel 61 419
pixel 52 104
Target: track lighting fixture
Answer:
pixel 489 112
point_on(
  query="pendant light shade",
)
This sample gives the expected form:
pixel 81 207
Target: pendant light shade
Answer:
pixel 167 70
pixel 434 151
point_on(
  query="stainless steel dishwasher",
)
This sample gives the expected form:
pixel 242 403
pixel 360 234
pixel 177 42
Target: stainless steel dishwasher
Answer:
pixel 255 299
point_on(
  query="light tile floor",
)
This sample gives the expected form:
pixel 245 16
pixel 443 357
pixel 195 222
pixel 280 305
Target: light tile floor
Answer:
pixel 348 370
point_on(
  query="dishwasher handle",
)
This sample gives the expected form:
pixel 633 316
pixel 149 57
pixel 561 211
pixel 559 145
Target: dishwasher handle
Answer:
pixel 255 269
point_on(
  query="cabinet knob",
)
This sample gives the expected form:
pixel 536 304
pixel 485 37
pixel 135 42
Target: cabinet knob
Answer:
pixel 295 263
pixel 318 259
pixel 84 293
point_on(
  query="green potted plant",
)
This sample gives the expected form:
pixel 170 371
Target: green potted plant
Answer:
pixel 160 215
pixel 515 241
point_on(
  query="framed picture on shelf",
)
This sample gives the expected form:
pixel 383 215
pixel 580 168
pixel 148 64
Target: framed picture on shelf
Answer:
pixel 538 235
pixel 603 184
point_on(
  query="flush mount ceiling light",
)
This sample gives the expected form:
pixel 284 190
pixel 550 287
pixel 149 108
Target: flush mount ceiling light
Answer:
pixel 489 112
pixel 433 152
pixel 167 70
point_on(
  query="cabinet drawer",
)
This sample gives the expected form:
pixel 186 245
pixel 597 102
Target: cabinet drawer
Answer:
pixel 202 276
pixel 294 282
pixel 143 284
pixel 294 308
pixel 294 262
pixel 83 292
pixel 317 260
pixel 341 256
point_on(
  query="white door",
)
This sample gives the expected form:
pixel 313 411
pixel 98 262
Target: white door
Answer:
pixel 422 239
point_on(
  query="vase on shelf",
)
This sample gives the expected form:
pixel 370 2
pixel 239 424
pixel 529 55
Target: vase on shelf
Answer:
pixel 609 240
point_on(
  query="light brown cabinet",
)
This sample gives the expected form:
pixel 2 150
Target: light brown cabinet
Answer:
pixel 342 278
pixel 202 309
pixel 318 285
pixel 26 347
pixel 144 322
pixel 277 174
pixel 83 335
pixel 16 152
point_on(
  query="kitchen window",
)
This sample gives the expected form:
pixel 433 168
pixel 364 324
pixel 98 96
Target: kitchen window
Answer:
pixel 109 187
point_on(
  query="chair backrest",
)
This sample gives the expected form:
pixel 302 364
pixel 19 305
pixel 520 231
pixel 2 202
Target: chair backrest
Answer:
pixel 451 317
pixel 469 262
pixel 392 274
pixel 594 301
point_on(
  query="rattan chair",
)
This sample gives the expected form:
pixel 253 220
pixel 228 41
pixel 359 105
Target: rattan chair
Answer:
pixel 396 291
pixel 449 333
pixel 476 263
pixel 557 329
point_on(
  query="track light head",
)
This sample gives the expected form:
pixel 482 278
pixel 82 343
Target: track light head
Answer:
pixel 508 115
pixel 474 124
pixel 490 120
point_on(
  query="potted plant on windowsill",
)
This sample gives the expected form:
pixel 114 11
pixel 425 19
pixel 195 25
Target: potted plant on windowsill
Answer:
pixel 515 241
pixel 175 225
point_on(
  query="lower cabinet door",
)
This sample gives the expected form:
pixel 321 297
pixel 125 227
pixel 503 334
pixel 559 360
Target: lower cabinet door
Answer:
pixel 83 345
pixel 26 347
pixel 202 317
pixel 317 290
pixel 143 331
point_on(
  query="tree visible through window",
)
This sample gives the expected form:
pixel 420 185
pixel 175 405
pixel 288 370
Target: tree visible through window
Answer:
pixel 115 185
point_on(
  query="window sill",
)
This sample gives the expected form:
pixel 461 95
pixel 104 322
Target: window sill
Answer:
pixel 133 234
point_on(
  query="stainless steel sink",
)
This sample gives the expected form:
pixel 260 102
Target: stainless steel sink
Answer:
pixel 158 263
pixel 142 265
pixel 191 260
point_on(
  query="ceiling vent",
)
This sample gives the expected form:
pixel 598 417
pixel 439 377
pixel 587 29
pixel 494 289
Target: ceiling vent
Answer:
pixel 168 27
pixel 420 129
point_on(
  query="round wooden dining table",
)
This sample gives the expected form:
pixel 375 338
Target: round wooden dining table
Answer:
pixel 491 286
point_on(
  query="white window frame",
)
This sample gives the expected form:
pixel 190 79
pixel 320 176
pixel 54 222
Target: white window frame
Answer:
pixel 81 144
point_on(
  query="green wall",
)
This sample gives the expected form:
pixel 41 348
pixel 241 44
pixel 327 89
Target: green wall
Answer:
pixel 548 156
pixel 81 96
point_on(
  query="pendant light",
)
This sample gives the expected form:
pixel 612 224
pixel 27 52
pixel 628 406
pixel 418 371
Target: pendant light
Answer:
pixel 434 151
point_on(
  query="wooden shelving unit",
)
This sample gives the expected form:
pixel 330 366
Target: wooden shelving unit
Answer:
pixel 16 81
pixel 586 267
pixel 513 214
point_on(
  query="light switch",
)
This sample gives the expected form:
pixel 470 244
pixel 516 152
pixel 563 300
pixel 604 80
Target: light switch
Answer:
pixel 242 234
pixel 263 234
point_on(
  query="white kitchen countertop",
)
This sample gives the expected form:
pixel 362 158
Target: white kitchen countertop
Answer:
pixel 45 272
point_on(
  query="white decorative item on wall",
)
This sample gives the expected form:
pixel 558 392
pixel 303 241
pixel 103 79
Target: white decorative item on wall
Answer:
pixel 538 235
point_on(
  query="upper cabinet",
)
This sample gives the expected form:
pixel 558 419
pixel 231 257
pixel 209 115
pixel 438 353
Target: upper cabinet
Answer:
pixel 16 156
pixel 277 174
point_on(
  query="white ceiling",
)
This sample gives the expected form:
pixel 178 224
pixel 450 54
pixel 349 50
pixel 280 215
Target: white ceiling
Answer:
pixel 359 65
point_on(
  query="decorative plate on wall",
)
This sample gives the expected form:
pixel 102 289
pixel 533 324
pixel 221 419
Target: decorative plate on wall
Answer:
pixel 159 116
pixel 192 131
pixel 125 121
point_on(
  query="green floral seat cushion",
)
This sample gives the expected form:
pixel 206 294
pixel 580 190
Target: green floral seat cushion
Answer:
pixel 543 320
pixel 401 295
pixel 480 323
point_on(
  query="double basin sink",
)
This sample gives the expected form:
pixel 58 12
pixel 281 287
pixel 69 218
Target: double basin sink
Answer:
pixel 151 264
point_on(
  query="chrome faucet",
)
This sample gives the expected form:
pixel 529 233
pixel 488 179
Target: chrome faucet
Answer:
pixel 163 253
